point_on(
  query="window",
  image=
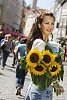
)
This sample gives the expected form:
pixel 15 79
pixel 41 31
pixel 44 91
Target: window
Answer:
pixel 57 25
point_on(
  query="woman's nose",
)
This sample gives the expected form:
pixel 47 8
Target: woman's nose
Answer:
pixel 50 26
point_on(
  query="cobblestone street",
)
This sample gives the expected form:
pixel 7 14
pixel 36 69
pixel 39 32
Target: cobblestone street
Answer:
pixel 7 83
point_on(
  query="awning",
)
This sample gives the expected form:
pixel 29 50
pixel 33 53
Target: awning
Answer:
pixel 16 34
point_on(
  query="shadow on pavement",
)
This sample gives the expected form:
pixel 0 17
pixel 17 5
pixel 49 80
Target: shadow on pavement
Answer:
pixel 2 74
pixel 21 97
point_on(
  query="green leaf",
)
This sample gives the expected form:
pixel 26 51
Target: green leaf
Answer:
pixel 58 77
pixel 61 51
pixel 62 72
pixel 48 78
pixel 58 59
pixel 48 75
pixel 22 62
pixel 48 48
pixel 40 81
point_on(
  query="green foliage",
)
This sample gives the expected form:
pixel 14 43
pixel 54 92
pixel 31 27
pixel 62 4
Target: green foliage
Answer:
pixel 62 72
pixel 48 48
pixel 58 58
pixel 42 81
pixel 23 63
pixel 46 79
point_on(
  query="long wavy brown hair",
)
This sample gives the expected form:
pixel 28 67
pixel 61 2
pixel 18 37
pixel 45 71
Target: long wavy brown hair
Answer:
pixel 35 32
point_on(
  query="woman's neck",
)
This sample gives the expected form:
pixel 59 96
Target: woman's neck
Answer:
pixel 45 38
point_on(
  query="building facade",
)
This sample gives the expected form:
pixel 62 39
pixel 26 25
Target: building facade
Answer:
pixel 60 11
pixel 10 14
pixel 30 19
pixel 34 3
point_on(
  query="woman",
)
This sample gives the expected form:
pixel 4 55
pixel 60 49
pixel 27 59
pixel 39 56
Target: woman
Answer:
pixel 38 37
pixel 20 73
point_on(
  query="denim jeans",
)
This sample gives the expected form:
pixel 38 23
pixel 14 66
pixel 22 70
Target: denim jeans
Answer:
pixel 5 55
pixel 34 93
pixel 20 76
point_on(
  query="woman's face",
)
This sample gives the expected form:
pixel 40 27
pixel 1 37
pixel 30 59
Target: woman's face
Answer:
pixel 47 25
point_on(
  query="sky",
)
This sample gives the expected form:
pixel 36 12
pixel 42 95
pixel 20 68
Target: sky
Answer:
pixel 43 4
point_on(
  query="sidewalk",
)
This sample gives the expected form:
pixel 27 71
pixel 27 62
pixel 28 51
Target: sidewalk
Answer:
pixel 7 83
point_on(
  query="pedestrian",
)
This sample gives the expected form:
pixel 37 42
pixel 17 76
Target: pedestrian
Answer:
pixel 20 73
pixel 15 42
pixel 38 37
pixel 6 45
pixel 1 38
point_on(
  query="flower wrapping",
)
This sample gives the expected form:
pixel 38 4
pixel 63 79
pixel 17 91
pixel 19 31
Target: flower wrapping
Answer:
pixel 45 67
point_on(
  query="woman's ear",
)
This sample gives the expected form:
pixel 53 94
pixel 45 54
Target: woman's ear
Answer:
pixel 39 25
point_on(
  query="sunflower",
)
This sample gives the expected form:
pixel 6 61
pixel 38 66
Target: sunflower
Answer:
pixel 38 70
pixel 55 68
pixel 48 57
pixel 34 57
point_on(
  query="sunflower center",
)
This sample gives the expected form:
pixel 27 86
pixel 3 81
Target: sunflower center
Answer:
pixel 46 59
pixel 34 58
pixel 53 69
pixel 39 68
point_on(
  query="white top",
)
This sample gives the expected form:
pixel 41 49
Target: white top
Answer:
pixel 39 44
pixel 54 44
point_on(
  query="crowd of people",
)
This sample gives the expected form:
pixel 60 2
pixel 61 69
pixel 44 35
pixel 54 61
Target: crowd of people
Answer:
pixel 38 37
pixel 8 45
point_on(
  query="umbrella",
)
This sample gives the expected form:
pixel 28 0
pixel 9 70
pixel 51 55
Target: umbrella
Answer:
pixel 16 34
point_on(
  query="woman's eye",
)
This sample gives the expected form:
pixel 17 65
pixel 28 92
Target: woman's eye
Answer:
pixel 52 23
pixel 46 22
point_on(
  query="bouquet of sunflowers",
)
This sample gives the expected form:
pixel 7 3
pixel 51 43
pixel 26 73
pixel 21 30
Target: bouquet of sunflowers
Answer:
pixel 45 67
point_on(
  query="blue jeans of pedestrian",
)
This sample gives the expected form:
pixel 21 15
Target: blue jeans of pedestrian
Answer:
pixel 20 76
pixel 5 55
pixel 34 93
